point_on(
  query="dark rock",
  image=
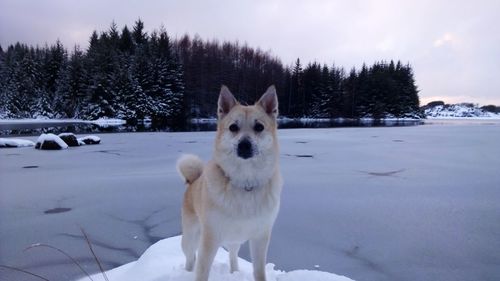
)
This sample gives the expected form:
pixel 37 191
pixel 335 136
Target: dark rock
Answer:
pixel 69 139
pixel 48 145
pixel 7 145
pixel 50 142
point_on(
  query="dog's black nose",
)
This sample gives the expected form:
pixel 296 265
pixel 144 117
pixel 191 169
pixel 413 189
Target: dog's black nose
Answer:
pixel 245 150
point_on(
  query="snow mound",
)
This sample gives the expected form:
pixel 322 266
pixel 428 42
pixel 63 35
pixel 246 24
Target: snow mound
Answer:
pixel 164 261
pixel 4 142
pixel 50 141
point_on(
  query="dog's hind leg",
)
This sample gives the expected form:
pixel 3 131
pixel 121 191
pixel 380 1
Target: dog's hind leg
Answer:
pixel 233 256
pixel 190 240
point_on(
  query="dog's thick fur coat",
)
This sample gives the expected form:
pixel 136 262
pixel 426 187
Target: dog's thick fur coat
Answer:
pixel 235 197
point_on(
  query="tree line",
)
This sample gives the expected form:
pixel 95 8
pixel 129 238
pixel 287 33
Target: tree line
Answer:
pixel 133 75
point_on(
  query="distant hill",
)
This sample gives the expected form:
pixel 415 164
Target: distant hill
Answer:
pixel 438 109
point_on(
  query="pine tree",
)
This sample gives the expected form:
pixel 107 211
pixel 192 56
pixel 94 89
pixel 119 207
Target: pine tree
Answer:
pixel 297 99
pixel 126 43
pixel 23 85
pixel 5 94
pixel 72 86
pixel 138 34
pixel 337 92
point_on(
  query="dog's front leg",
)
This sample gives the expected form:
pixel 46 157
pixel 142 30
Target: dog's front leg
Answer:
pixel 208 249
pixel 258 250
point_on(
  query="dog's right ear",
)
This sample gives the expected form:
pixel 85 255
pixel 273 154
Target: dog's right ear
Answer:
pixel 226 102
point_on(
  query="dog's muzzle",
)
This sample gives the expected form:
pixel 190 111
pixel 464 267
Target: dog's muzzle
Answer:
pixel 245 149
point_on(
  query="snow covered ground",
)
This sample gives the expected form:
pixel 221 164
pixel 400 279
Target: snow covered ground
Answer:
pixel 459 111
pixel 398 203
pixel 14 142
pixel 164 261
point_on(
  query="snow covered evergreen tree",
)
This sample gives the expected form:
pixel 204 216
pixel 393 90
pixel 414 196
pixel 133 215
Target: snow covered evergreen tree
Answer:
pixel 71 89
pixel 133 75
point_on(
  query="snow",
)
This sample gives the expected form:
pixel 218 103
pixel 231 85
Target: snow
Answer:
pixel 95 139
pixel 165 261
pixel 381 203
pixel 65 134
pixel 51 137
pixel 11 142
pixel 459 111
pixel 100 122
pixel 103 122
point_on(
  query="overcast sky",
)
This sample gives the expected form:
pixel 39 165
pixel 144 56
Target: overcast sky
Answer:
pixel 453 45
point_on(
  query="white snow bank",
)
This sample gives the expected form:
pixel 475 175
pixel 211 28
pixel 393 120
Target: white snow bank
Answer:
pixel 66 134
pixel 4 142
pixel 51 137
pixel 459 111
pixel 103 122
pixel 165 261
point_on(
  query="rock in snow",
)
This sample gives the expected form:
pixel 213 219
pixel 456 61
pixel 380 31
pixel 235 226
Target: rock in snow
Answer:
pixel 89 140
pixel 50 142
pixel 69 139
pixel 15 142
pixel 165 261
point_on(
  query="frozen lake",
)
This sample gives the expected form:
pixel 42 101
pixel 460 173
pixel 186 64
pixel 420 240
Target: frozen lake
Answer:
pixel 384 203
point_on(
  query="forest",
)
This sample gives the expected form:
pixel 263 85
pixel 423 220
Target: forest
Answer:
pixel 130 74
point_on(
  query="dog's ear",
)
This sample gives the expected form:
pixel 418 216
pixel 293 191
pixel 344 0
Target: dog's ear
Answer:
pixel 269 101
pixel 226 102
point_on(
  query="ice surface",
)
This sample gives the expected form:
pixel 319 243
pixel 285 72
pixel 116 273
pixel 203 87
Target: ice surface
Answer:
pixel 165 261
pixel 398 203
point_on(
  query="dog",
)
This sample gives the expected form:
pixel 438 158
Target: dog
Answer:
pixel 235 197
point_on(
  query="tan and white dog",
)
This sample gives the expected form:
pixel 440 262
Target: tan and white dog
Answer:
pixel 235 197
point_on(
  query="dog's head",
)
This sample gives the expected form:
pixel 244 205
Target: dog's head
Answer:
pixel 246 135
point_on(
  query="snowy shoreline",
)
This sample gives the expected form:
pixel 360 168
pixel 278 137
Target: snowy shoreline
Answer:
pixel 99 122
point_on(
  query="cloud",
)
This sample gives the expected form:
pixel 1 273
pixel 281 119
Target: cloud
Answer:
pixel 450 44
pixel 447 38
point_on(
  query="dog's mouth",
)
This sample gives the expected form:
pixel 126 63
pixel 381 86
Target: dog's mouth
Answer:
pixel 245 149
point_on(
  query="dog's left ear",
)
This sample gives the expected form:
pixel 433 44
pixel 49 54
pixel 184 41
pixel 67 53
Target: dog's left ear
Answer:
pixel 269 101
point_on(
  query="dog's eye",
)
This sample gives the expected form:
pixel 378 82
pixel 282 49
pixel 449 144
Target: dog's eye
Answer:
pixel 258 127
pixel 234 128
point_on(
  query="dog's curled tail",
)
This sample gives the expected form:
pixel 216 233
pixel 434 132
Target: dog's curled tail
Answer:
pixel 190 167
